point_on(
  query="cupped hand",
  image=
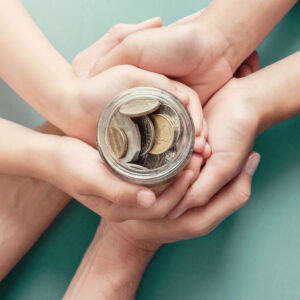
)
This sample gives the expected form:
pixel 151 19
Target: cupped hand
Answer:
pixel 76 168
pixel 96 91
pixel 191 50
pixel 233 123
pixel 150 234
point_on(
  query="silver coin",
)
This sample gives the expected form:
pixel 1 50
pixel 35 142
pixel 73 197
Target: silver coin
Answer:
pixel 136 167
pixel 152 161
pixel 167 110
pixel 139 107
pixel 147 133
pixel 167 157
pixel 133 135
pixel 149 161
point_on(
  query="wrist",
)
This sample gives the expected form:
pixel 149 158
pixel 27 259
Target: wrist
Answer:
pixel 138 252
pixel 111 269
pixel 233 40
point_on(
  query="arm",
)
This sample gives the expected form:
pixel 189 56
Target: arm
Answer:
pixel 274 91
pixel 244 24
pixel 30 64
pixel 203 50
pixel 115 261
pixel 27 208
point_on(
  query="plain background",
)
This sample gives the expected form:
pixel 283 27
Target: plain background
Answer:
pixel 254 254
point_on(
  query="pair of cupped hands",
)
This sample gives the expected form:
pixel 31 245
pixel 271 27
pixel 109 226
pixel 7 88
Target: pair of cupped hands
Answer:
pixel 147 54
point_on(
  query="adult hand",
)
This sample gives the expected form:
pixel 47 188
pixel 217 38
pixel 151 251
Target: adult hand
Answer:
pixel 189 50
pixel 150 234
pixel 120 252
pixel 95 92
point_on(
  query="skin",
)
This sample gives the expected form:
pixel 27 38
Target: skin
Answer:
pixel 27 207
pixel 115 261
pixel 235 116
pixel 203 50
pixel 42 77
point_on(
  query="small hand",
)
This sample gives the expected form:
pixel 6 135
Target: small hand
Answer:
pixel 77 169
pixel 233 123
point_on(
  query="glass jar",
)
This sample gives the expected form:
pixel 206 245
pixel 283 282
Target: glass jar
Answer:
pixel 160 173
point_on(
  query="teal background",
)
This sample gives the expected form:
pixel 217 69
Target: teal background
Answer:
pixel 254 254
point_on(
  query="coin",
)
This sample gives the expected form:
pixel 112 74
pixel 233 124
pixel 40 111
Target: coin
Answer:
pixel 133 136
pixel 147 132
pixel 149 161
pixel 167 110
pixel 139 107
pixel 136 167
pixel 118 141
pixel 167 157
pixel 164 133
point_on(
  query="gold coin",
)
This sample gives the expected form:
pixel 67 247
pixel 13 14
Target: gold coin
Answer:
pixel 118 141
pixel 139 107
pixel 164 134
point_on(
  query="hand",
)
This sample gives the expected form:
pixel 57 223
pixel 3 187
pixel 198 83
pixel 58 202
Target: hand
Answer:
pixel 233 123
pixel 120 252
pixel 191 50
pixel 77 169
pixel 97 91
pixel 150 234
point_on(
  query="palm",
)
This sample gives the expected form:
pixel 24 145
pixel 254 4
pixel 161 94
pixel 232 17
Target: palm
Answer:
pixel 232 127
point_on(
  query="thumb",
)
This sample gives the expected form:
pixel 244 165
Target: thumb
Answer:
pixel 85 60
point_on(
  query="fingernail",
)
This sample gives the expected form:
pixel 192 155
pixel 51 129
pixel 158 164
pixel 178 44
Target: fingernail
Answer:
pixel 145 199
pixel 178 213
pixel 252 163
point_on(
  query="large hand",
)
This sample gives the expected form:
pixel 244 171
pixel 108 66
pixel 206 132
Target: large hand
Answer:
pixel 190 50
pixel 150 234
pixel 94 93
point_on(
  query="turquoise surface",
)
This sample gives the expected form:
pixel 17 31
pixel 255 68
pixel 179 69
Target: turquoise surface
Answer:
pixel 254 254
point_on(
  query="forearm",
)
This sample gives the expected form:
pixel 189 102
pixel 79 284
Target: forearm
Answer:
pixel 27 207
pixel 25 152
pixel 111 269
pixel 274 91
pixel 30 64
pixel 244 24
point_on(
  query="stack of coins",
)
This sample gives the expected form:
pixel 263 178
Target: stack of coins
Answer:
pixel 143 133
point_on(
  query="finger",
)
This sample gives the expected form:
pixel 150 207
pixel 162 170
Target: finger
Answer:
pixel 165 202
pixel 201 220
pixel 201 141
pixel 194 106
pixel 220 168
pixel 207 151
pixel 189 18
pixel 84 61
pixel 104 184
pixel 195 164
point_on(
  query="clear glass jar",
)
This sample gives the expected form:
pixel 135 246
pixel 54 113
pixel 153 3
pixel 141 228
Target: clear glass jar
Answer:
pixel 176 159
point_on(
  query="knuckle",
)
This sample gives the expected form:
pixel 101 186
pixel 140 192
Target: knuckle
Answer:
pixel 117 32
pixel 117 197
pixel 242 195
